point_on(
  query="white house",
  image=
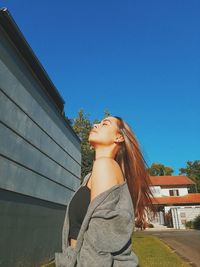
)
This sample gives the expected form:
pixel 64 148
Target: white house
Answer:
pixel 174 205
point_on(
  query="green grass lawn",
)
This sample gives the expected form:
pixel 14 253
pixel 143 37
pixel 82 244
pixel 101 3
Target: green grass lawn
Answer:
pixel 50 264
pixel 152 252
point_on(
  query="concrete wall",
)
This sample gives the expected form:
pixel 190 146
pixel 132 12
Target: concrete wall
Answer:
pixel 40 164
pixel 182 214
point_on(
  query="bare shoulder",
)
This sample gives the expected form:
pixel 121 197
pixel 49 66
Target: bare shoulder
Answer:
pixel 105 165
pixel 106 173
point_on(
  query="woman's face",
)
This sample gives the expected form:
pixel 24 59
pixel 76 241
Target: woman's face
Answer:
pixel 104 133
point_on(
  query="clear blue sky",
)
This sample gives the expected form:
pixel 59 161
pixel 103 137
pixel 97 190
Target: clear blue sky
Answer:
pixel 138 59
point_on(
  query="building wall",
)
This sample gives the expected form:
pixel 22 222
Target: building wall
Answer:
pixel 40 164
pixel 182 214
pixel 158 191
pixel 182 191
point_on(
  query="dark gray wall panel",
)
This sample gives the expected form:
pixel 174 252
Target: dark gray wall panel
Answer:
pixel 17 178
pixel 17 148
pixel 38 139
pixel 12 116
pixel 40 159
pixel 15 90
pixel 21 85
pixel 36 148
pixel 30 230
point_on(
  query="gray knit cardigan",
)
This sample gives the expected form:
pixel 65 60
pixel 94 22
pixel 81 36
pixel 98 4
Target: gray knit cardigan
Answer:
pixel 105 235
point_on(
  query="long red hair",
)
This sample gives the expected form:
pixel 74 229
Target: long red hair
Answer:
pixel 134 167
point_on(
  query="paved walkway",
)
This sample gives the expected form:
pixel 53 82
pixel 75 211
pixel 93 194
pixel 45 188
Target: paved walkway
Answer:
pixel 185 243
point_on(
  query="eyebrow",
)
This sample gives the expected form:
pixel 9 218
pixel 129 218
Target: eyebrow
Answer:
pixel 107 120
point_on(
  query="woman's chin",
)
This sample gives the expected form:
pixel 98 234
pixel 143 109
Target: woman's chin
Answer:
pixel 91 141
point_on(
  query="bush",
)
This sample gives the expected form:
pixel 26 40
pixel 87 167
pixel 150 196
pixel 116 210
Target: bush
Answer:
pixel 189 224
pixel 196 223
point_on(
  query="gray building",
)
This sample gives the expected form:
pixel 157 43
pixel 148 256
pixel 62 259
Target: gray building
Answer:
pixel 40 158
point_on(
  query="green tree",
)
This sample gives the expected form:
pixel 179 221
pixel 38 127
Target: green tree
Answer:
pixel 168 170
pixel 82 126
pixel 158 169
pixel 192 170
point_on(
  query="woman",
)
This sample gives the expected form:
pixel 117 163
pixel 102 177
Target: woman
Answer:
pixel 100 217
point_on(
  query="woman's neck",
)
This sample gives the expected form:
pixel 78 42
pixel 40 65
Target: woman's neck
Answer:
pixel 103 157
pixel 104 154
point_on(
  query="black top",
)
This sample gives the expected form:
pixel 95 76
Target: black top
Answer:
pixel 77 210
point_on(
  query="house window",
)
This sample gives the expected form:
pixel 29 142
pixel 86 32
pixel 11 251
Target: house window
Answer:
pixel 173 192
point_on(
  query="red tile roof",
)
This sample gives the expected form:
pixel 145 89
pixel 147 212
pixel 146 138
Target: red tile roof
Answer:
pixel 171 180
pixel 190 198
